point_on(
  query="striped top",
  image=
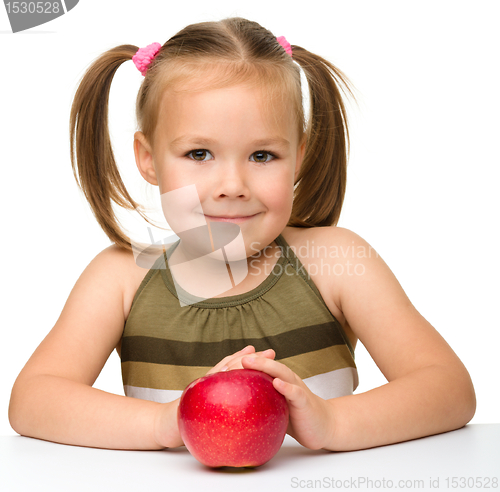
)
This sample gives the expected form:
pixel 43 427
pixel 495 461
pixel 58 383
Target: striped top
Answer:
pixel 165 346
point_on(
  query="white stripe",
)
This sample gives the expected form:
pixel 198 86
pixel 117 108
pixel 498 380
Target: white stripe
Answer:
pixel 64 6
pixel 161 396
pixel 334 384
pixel 329 385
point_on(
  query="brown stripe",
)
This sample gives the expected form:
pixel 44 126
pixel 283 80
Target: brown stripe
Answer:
pixel 160 376
pixel 166 376
pixel 174 352
pixel 322 361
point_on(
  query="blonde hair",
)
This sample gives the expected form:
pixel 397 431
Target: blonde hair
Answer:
pixel 240 50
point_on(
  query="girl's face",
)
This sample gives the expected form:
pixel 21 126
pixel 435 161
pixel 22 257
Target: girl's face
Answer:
pixel 241 153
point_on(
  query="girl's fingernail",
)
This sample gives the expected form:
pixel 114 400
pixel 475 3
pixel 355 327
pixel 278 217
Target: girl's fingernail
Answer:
pixel 223 369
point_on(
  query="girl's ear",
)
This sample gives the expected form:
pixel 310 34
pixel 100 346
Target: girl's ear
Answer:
pixel 144 158
pixel 300 157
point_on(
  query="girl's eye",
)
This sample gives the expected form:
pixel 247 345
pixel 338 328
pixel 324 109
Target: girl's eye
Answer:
pixel 200 155
pixel 261 156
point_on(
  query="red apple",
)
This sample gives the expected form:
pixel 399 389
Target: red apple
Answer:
pixel 233 418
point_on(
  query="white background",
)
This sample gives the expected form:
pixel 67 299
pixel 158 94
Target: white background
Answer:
pixel 423 177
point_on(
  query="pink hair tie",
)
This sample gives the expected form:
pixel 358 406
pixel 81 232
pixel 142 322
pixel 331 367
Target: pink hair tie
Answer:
pixel 285 44
pixel 144 56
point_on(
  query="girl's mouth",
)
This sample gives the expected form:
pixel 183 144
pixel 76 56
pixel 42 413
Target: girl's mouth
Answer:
pixel 236 219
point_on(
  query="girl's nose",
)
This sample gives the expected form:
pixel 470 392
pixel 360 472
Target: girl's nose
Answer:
pixel 231 182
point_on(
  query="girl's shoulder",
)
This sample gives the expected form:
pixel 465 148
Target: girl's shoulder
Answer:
pixel 120 267
pixel 322 235
pixel 329 255
pixel 334 251
pixel 327 245
pixel 333 246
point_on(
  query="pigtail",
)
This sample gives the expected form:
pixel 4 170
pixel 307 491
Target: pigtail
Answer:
pixel 92 158
pixel 321 184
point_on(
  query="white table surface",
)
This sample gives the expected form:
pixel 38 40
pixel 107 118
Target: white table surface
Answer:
pixel 441 462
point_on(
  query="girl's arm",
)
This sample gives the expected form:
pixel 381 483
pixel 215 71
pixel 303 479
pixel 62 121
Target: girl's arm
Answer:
pixel 53 398
pixel 428 391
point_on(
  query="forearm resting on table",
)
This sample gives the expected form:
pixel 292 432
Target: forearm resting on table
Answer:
pixel 428 401
pixel 61 410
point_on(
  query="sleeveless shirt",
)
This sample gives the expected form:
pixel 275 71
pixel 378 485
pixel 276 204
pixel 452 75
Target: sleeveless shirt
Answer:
pixel 166 345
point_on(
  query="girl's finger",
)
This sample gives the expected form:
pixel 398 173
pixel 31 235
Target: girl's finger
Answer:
pixel 224 364
pixel 295 395
pixel 249 349
pixel 235 363
pixel 269 353
pixel 271 367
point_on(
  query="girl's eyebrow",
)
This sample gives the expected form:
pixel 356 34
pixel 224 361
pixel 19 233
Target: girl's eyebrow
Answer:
pixel 265 142
pixel 198 141
pixel 193 140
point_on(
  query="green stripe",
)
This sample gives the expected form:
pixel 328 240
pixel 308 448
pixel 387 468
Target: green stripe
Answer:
pixel 294 342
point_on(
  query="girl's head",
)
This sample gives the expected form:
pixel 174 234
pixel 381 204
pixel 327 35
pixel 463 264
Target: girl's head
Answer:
pixel 221 88
pixel 215 55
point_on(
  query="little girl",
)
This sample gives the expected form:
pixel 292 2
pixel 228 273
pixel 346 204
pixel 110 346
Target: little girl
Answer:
pixel 220 114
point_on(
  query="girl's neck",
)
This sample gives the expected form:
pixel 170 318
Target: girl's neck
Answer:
pixel 211 279
pixel 260 267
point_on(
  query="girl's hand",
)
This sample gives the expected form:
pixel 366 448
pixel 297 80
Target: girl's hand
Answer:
pixel 233 361
pixel 166 430
pixel 311 417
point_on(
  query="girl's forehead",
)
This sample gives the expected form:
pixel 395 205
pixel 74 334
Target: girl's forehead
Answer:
pixel 248 107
